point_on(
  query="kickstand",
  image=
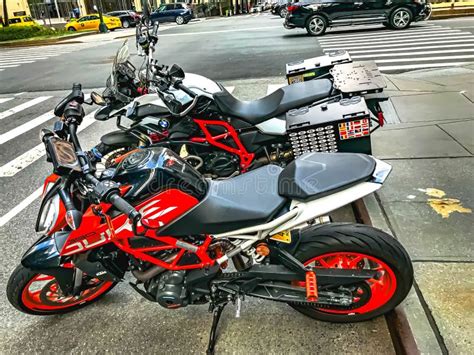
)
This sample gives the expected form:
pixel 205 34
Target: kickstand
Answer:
pixel 215 321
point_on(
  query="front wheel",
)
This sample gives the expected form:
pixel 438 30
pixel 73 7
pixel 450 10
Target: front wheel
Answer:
pixel 316 25
pixel 179 20
pixel 354 246
pixel 35 293
pixel 400 19
pixel 125 24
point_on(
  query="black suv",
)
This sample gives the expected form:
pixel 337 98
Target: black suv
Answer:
pixel 317 15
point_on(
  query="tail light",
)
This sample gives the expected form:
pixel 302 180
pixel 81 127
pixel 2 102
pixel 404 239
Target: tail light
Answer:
pixel 292 8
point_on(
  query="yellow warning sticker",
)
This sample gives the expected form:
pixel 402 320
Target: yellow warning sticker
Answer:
pixel 284 237
pixel 296 79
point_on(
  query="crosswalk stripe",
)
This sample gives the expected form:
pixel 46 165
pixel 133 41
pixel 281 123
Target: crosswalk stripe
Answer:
pixel 15 62
pixel 421 66
pixel 407 49
pixel 25 127
pixel 5 99
pixel 382 32
pixel 9 66
pixel 17 131
pixel 29 157
pixel 20 207
pixel 23 106
pixel 396 44
pixel 422 59
pixel 463 36
pixel 376 55
pixel 230 89
pixel 391 35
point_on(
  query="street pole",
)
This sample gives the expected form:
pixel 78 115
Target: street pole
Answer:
pixel 102 26
pixel 57 10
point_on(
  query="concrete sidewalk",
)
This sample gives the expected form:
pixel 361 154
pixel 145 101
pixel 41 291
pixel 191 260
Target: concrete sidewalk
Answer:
pixel 428 200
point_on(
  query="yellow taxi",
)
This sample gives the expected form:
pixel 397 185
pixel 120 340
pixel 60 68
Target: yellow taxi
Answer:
pixel 21 21
pixel 91 23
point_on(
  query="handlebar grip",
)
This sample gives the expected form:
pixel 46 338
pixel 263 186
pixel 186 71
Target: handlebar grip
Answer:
pixel 123 206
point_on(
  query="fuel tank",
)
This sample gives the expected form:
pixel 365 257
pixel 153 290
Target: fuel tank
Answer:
pixel 150 171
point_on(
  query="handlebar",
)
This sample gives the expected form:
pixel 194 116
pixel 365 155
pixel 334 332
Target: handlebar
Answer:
pixel 108 191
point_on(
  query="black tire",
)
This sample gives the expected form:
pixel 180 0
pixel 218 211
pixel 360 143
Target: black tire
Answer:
pixel 316 25
pixel 179 20
pixel 400 18
pixel 71 29
pixel 282 12
pixel 21 277
pixel 363 239
pixel 125 24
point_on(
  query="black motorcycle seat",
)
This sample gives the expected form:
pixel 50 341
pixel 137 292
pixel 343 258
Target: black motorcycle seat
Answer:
pixel 277 103
pixel 243 201
pixel 119 139
pixel 315 175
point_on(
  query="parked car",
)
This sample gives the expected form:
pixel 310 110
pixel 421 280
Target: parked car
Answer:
pixel 91 22
pixel 128 18
pixel 317 15
pixel 21 21
pixel 279 8
pixel 178 13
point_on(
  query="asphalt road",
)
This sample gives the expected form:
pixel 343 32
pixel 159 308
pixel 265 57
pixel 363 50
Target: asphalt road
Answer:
pixel 240 47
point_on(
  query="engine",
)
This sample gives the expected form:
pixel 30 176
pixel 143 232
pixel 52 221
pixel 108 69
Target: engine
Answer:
pixel 221 164
pixel 168 289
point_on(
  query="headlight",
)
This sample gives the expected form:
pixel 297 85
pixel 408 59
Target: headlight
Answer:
pixel 49 214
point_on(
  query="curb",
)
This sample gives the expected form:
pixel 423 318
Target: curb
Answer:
pixel 409 324
pixel 46 42
pixel 447 12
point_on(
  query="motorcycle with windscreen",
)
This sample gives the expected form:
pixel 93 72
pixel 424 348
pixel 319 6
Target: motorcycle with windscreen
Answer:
pixel 187 240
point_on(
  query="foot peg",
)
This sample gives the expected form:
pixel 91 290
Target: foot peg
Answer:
pixel 311 287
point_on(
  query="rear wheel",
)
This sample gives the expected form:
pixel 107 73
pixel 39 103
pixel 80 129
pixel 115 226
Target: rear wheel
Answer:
pixel 71 29
pixel 316 25
pixel 179 20
pixel 39 294
pixel 400 18
pixel 346 246
pixel 125 24
pixel 283 12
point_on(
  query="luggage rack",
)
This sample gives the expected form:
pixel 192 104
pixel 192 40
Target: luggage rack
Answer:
pixel 358 78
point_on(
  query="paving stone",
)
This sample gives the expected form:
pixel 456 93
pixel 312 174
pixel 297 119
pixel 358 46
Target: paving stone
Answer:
pixel 435 106
pixel 448 290
pixel 408 84
pixel 424 232
pixel 416 142
pixel 463 132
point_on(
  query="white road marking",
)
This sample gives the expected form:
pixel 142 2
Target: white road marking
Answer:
pixel 21 162
pixel 19 93
pixel 421 66
pixel 20 207
pixel 25 127
pixel 220 31
pixel 422 59
pixel 230 89
pixel 274 87
pixel 5 99
pixel 8 66
pixel 406 49
pixel 419 44
pixel 391 35
pixel 16 62
pixel 379 33
pixel 382 42
pixel 30 125
pixel 411 53
pixel 23 106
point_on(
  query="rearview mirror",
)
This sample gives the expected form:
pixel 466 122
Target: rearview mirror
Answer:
pixel 176 72
pixel 98 99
